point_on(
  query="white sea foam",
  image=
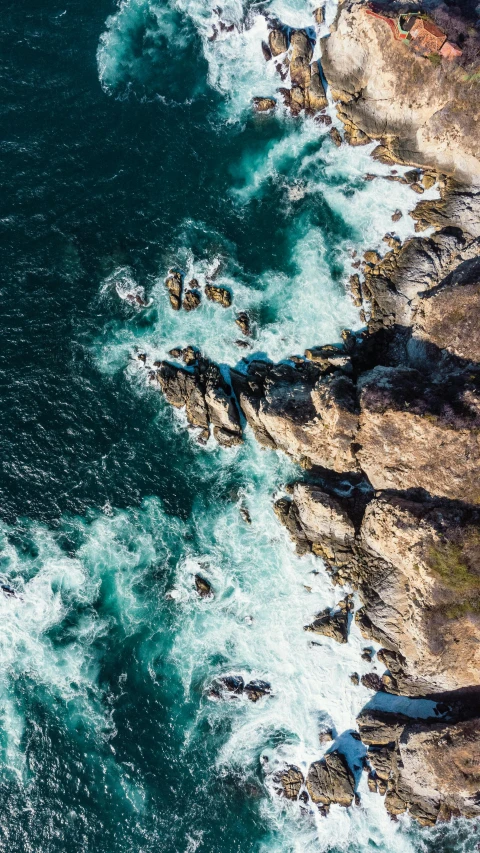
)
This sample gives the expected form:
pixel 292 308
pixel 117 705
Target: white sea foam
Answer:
pixel 264 592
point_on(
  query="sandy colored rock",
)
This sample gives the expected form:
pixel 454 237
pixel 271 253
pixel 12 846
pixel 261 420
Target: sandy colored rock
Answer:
pixel 218 294
pixel 264 105
pixel 300 58
pixel 427 113
pixel 277 42
pixel 330 780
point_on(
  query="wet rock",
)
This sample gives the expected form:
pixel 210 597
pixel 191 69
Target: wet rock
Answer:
pixel 176 352
pixel 355 679
pixel 319 15
pixel 316 97
pixel 277 41
pixel 181 388
pixel 289 781
pixel 190 355
pixel 367 654
pixel 330 780
pixel 333 623
pixel 255 690
pixel 242 344
pixel 218 294
pixel 397 216
pixel 222 409
pixel 264 105
pixel 417 188
pixel 356 289
pixel 245 514
pixel 413 176
pixel 191 300
pixel 142 356
pixel 335 136
pixel 267 53
pixel 233 684
pixel 174 285
pixel 203 587
pixel 301 56
pixel 243 322
pixel 326 736
pixel 323 119
pixel 373 681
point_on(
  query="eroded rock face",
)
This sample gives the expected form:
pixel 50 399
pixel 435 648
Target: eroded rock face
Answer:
pixel 330 780
pixel 205 394
pixel 427 767
pixel 333 623
pixel 417 436
pixel 289 782
pixel 386 90
pixel 417 567
pixel 309 414
pixel 449 315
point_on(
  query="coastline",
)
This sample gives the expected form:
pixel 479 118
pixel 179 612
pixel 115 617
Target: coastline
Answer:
pixel 387 426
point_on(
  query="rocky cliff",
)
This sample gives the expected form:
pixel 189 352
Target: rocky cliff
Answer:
pixel 424 109
pixel 387 424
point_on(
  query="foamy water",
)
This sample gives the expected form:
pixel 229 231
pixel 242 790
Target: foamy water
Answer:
pixel 123 580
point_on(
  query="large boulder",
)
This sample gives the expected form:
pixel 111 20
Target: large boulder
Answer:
pixel 330 780
pixel 277 40
pixel 301 56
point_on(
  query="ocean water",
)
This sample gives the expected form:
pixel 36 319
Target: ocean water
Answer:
pixel 129 146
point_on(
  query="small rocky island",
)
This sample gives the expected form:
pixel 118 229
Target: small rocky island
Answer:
pixel 385 422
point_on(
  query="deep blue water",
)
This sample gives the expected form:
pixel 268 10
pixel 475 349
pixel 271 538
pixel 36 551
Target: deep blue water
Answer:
pixel 108 743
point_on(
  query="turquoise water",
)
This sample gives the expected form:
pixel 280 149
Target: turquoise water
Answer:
pixel 129 146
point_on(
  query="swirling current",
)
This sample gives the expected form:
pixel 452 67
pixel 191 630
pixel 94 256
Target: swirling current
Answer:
pixel 129 146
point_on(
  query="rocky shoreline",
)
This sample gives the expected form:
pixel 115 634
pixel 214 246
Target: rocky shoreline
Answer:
pixel 387 425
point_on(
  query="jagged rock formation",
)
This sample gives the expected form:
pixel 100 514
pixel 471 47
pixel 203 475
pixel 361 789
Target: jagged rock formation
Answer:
pixel 429 768
pixel 425 113
pixel 333 623
pixel 205 395
pixel 417 566
pixel 330 780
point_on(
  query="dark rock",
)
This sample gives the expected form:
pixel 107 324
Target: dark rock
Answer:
pixel 267 53
pixel 175 353
pixel 355 678
pixel 203 587
pixel 335 136
pixel 191 300
pixel 373 681
pixel 243 322
pixel 334 623
pixel 255 690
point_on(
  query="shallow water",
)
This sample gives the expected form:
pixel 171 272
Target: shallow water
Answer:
pixel 128 147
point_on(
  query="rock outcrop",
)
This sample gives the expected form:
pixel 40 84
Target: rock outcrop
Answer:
pixel 427 767
pixel 416 564
pixel 205 395
pixel 424 112
pixel 330 780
